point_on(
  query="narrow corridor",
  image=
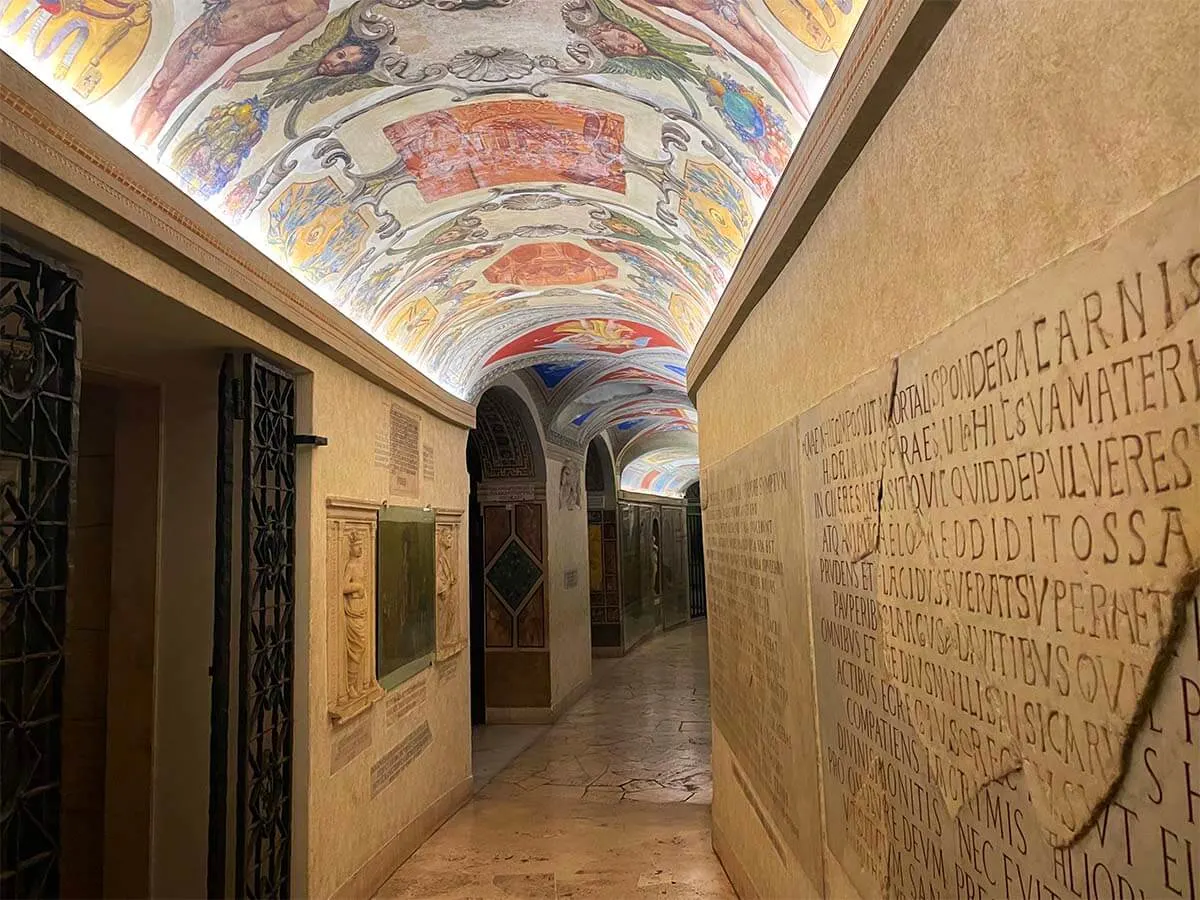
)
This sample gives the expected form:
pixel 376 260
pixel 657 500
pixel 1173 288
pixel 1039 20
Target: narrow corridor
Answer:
pixel 612 801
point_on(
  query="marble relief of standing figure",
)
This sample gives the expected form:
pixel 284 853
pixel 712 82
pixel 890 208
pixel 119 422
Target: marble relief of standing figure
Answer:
pixel 354 594
pixel 450 638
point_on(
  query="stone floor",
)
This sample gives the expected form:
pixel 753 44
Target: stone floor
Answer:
pixel 493 747
pixel 612 801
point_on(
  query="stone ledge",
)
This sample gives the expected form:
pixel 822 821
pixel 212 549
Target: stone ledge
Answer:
pixel 372 875
pixel 884 51
pixel 738 876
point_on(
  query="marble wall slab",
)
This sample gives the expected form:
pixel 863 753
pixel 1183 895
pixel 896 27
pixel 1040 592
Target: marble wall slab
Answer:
pixel 975 571
pixel 763 698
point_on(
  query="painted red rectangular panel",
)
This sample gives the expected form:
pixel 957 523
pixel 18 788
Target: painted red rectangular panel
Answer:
pixel 465 148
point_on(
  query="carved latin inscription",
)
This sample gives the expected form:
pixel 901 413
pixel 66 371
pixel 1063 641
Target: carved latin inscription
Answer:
pixel 428 462
pixel 350 576
pixel 398 449
pixel 404 701
pixel 995 541
pixel 348 743
pixel 1003 537
pixel 762 691
pixel 389 766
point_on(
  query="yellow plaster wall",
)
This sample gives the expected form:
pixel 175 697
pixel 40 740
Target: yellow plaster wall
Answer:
pixel 183 645
pixel 346 829
pixel 1030 129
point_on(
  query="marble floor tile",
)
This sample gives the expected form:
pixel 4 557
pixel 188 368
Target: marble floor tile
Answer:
pixel 493 747
pixel 612 801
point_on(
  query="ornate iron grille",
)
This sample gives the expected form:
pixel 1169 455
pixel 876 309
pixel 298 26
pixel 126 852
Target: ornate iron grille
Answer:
pixel 699 600
pixel 267 640
pixel 39 393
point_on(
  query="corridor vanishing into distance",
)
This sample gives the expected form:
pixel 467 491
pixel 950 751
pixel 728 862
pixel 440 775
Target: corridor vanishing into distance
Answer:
pixel 376 375
pixel 611 801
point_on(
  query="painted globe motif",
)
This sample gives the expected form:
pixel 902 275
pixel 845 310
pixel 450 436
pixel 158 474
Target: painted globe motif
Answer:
pixel 746 114
pixel 742 111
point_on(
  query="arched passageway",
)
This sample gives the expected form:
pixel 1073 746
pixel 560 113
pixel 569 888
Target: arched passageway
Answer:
pixel 697 595
pixel 604 575
pixel 476 607
pixel 340 337
pixel 510 578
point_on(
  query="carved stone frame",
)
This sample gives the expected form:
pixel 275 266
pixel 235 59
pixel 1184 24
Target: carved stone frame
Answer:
pixel 343 517
pixel 451 519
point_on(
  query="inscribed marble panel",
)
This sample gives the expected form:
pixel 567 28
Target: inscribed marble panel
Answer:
pixel 760 639
pixel 1003 531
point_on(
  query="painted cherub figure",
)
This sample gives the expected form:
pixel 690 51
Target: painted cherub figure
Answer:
pixel 734 23
pixel 222 29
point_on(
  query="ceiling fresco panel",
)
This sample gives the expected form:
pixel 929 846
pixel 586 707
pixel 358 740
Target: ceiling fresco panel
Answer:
pixel 617 336
pixel 554 189
pixel 501 142
pixel 668 470
pixel 550 263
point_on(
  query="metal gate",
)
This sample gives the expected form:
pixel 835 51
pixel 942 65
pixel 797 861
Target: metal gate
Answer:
pixel 699 602
pixel 263 400
pixel 39 393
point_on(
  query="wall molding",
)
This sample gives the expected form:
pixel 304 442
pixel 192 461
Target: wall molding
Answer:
pixel 656 499
pixel 372 874
pixel 538 715
pixel 734 870
pixel 60 150
pixel 891 39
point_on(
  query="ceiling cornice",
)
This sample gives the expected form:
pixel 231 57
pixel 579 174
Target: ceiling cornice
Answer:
pixel 86 167
pixel 885 49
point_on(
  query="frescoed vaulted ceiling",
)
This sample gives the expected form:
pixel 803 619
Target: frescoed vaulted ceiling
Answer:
pixel 555 189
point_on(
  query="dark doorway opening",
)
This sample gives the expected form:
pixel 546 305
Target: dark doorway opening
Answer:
pixel 477 613
pixel 655 558
pixel 603 573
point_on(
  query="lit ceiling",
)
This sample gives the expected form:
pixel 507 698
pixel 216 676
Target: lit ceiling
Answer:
pixel 558 190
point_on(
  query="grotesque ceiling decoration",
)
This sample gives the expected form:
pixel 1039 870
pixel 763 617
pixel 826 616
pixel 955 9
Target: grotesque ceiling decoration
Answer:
pixel 555 189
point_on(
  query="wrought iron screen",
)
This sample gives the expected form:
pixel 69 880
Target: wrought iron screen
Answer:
pixel 218 750
pixel 263 398
pixel 699 601
pixel 267 647
pixel 39 393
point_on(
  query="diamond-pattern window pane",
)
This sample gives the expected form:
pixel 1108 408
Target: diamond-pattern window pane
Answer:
pixel 513 574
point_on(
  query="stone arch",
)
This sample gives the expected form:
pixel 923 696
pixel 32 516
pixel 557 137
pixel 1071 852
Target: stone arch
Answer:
pixel 600 473
pixel 604 585
pixel 513 597
pixel 509 440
